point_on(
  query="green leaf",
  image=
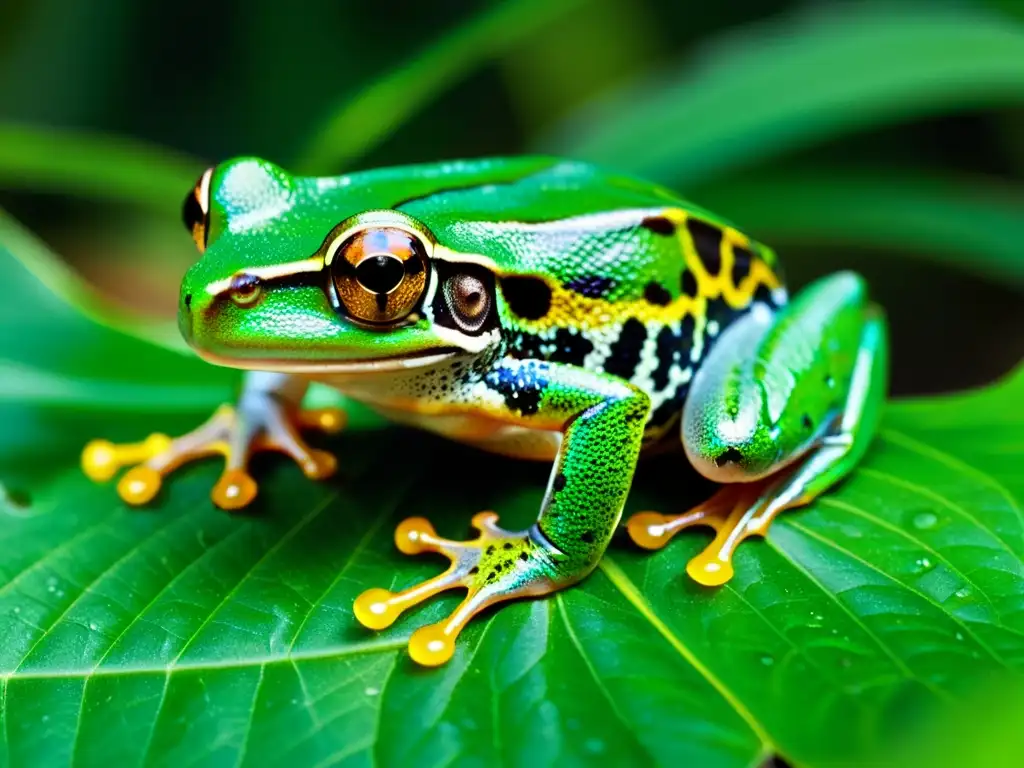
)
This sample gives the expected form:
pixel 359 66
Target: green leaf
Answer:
pixel 360 123
pixel 795 82
pixel 180 634
pixel 62 343
pixel 114 168
pixel 972 224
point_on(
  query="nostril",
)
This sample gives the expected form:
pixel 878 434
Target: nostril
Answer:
pixel 188 300
pixel 729 456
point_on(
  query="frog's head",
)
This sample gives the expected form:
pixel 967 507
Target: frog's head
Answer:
pixel 302 275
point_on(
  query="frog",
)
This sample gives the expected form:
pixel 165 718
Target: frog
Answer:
pixel 537 307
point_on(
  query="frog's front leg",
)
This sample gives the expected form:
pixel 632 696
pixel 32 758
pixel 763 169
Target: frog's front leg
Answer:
pixel 268 417
pixel 602 421
pixel 782 409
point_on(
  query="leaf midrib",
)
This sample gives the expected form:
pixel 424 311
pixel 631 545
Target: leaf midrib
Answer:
pixel 628 589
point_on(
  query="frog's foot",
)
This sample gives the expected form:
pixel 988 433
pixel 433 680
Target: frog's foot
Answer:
pixel 499 565
pixel 734 512
pixel 234 434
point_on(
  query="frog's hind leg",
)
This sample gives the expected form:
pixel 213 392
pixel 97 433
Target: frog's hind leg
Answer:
pixel 783 408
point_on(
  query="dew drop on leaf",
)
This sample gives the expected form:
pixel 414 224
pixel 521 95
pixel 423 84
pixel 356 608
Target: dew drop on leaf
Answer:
pixel 922 564
pixel 767 660
pixel 959 636
pixel 963 593
pixel 925 520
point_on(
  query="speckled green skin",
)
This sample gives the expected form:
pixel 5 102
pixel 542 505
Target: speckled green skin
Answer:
pixel 609 298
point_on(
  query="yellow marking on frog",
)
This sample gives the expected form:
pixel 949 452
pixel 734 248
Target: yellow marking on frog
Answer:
pixel 722 285
pixel 571 309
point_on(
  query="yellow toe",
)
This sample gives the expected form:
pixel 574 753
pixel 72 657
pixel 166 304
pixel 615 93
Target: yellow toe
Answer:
pixel 431 646
pixel 234 490
pixel 375 609
pixel 139 485
pixel 410 534
pixel 710 571
pixel 647 530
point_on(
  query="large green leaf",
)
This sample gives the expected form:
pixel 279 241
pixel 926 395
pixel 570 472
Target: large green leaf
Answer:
pixel 183 635
pixel 796 81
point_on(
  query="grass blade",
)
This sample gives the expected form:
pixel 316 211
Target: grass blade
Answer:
pixel 360 123
pixel 113 168
pixel 796 82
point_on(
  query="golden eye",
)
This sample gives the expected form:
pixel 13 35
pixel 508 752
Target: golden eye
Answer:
pixel 469 301
pixel 245 289
pixel 196 210
pixel 380 274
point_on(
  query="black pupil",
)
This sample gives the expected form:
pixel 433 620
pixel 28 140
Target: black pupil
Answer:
pixel 380 274
pixel 192 212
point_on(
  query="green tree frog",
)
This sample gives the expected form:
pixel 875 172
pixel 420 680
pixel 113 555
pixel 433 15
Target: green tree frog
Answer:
pixel 536 307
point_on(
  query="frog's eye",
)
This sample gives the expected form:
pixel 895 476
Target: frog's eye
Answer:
pixel 465 298
pixel 196 210
pixel 468 300
pixel 379 274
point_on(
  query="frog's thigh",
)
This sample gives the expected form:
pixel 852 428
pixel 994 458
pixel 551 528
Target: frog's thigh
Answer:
pixel 783 408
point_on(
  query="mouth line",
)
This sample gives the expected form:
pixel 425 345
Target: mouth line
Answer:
pixel 380 365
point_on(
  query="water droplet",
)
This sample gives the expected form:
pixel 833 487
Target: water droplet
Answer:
pixel 371 691
pixel 51 582
pixel 767 660
pixel 925 520
pixel 60 593
pixel 17 609
pixel 46 718
pixel 51 589
pixel 963 593
pixel 594 745
pixel 922 564
pixel 959 636
pixel 93 626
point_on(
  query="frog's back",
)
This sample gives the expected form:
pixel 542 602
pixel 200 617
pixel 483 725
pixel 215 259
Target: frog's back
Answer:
pixel 603 271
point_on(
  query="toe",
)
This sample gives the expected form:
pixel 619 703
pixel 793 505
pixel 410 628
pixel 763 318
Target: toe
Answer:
pixel 415 535
pixel 431 646
pixel 376 609
pixel 234 490
pixel 139 485
pixel 648 530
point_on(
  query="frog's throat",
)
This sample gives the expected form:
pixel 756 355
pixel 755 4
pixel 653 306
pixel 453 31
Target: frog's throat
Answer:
pixel 355 367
